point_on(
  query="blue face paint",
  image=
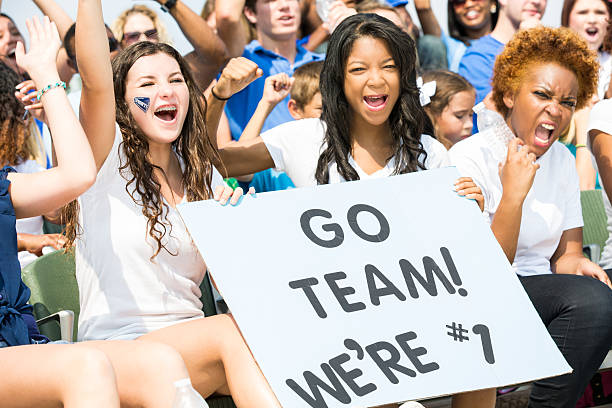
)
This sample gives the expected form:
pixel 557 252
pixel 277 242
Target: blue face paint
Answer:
pixel 142 102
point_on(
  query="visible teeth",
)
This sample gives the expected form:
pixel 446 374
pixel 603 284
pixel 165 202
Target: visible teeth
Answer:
pixel 547 126
pixel 166 109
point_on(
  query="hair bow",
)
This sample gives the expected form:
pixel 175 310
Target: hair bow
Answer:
pixel 426 91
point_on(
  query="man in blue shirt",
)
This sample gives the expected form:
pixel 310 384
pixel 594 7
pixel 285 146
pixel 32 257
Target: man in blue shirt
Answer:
pixel 275 50
pixel 477 62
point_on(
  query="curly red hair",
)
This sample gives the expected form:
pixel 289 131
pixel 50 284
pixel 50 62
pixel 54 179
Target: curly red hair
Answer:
pixel 543 45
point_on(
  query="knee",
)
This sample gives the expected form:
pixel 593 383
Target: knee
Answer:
pixel 593 301
pixel 87 367
pixel 161 358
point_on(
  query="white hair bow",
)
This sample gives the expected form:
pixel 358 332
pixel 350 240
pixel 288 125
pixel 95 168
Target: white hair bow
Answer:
pixel 426 91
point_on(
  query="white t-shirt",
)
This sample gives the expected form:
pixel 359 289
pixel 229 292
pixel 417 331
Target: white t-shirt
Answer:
pixel 605 70
pixel 601 120
pixel 123 293
pixel 296 146
pixel 31 225
pixel 551 206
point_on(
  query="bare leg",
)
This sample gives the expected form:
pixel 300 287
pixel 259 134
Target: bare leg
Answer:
pixel 475 399
pixel 56 375
pixel 218 360
pixel 145 371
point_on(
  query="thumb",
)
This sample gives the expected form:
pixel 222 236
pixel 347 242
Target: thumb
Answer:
pixel 19 53
pixel 258 73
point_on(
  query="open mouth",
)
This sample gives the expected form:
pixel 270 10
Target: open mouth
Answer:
pixel 375 102
pixel 286 18
pixel 11 54
pixel 472 14
pixel 166 113
pixel 592 31
pixel 543 134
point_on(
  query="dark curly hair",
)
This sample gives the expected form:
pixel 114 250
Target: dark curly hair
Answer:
pixel 192 145
pixel 407 120
pixel 14 143
pixel 544 45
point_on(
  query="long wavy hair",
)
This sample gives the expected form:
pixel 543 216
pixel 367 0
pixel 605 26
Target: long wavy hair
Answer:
pixel 19 137
pixel 407 120
pixel 192 146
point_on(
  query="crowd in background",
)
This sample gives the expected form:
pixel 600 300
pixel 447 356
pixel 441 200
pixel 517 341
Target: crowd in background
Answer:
pixel 281 94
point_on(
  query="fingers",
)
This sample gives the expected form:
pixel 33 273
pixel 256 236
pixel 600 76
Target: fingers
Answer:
pixel 252 192
pixel 236 196
pixel 226 194
pixel 218 192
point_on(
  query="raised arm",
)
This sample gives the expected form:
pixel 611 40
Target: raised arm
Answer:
pixel 57 14
pixel 429 22
pixel 229 26
pixel 97 113
pixel 209 53
pixel 37 193
pixel 517 177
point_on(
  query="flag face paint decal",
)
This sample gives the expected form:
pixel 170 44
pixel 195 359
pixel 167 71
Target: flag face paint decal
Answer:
pixel 142 102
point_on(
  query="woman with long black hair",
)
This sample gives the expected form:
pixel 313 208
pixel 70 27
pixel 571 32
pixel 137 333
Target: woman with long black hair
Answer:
pixel 371 126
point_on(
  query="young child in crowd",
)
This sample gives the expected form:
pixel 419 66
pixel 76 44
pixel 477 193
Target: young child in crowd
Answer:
pixel 305 99
pixel 450 107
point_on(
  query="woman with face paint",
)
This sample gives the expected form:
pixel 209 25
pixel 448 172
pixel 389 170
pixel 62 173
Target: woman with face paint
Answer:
pixel 137 268
pixel 532 199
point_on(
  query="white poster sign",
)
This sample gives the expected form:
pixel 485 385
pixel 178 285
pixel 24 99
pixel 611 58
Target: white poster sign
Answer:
pixel 372 292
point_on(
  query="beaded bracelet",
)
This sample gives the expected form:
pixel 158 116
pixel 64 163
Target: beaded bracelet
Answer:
pixel 40 93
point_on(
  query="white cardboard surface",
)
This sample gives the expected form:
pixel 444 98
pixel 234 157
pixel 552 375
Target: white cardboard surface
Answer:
pixel 254 251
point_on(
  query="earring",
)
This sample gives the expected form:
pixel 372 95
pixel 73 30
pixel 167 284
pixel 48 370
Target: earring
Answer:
pixel 493 9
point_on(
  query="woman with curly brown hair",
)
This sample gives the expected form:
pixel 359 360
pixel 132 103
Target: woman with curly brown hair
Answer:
pixel 137 268
pixel 532 198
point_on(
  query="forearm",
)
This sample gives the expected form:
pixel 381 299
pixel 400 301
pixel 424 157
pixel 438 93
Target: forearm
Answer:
pixel 214 110
pixel 584 167
pixel 56 14
pixel 206 43
pixel 506 225
pixel 318 37
pixel 229 25
pixel 253 128
pixel 567 264
pixel 429 22
pixel 93 55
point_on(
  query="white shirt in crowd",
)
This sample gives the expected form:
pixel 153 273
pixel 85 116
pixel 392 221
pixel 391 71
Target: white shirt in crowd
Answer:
pixel 124 293
pixel 551 206
pixel 31 225
pixel 296 146
pixel 601 120
pixel 605 70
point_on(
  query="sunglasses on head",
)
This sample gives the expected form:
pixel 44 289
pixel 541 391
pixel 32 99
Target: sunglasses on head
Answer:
pixel 132 37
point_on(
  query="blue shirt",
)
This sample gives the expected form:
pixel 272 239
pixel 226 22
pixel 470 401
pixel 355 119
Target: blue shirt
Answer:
pixel 455 50
pixel 477 64
pixel 477 67
pixel 241 106
pixel 17 324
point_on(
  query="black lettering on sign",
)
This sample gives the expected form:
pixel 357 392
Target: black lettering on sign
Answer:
pixel 376 292
pixel 428 282
pixel 414 354
pixel 387 365
pixel 349 376
pixel 306 285
pixel 315 384
pixel 342 293
pixel 333 227
pixel 384 231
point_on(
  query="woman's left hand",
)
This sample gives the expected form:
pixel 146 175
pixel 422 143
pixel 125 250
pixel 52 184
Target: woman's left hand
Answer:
pixel 588 268
pixel 225 192
pixel 465 186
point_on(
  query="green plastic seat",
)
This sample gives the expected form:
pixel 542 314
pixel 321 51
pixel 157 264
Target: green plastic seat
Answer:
pixel 595 231
pixel 52 281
